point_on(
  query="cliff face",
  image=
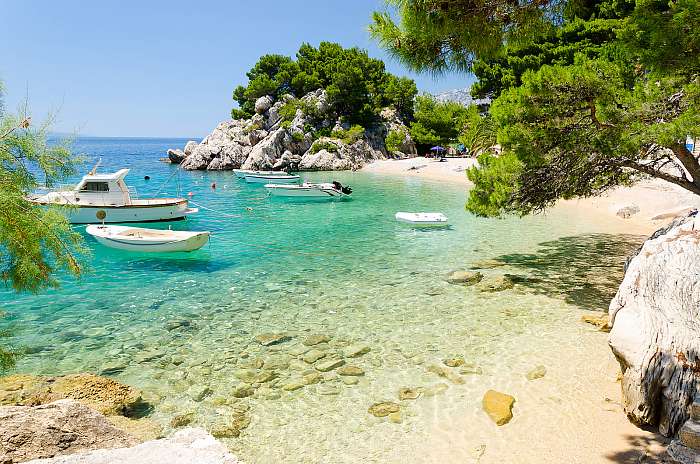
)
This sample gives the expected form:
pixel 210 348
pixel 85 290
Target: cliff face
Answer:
pixel 656 327
pixel 274 140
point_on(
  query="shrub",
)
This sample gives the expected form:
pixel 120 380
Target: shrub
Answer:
pixel 297 136
pixel 395 139
pixel 327 145
pixel 351 135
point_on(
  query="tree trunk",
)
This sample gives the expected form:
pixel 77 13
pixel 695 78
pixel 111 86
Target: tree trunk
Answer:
pixel 655 333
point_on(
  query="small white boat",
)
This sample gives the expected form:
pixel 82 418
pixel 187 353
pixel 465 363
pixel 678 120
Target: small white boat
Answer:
pixel 423 219
pixel 241 173
pixel 107 198
pixel 263 179
pixel 330 190
pixel 147 240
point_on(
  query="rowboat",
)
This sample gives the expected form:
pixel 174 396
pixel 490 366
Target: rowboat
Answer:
pixel 107 198
pixel 241 173
pixel 422 219
pixel 147 240
pixel 263 179
pixel 330 190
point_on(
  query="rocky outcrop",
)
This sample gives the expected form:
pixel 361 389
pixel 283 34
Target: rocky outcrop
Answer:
pixel 655 334
pixel 99 393
pixel 686 448
pixel 269 140
pixel 62 427
pixel 187 446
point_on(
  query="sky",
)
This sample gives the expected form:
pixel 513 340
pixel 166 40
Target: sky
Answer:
pixel 164 68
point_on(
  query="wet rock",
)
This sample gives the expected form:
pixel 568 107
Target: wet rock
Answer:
pixel 499 406
pixel 357 350
pixel 61 427
pixel 496 284
pixel 142 429
pixel 487 264
pixel 601 321
pixel 313 340
pixel 246 375
pixel 446 373
pixel 464 277
pixel 351 371
pixel 242 391
pixel 383 409
pixel 268 339
pixel 454 362
pixel 112 368
pixel 311 378
pixel 178 324
pixel 299 350
pixel 276 363
pixel 176 156
pixel 471 369
pixel 182 420
pixel 265 377
pixel 293 385
pixel 536 373
pixel 434 390
pixel 102 394
pixel 408 393
pixel 199 392
pixel 313 356
pixel 232 427
pixel 329 364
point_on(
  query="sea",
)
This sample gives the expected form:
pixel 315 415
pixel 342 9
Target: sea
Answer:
pixel 184 328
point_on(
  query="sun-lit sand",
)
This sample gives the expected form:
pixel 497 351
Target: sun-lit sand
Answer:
pixel 599 434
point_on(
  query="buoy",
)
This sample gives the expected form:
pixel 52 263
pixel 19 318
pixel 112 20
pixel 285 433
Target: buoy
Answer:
pixel 146 177
pixel 190 194
pixel 248 208
pixel 213 185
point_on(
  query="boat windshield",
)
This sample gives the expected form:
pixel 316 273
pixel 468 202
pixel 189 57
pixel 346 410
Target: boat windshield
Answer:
pixel 95 187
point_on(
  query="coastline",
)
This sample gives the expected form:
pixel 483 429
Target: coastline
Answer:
pixel 604 434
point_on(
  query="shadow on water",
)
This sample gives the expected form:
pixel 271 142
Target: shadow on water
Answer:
pixel 584 270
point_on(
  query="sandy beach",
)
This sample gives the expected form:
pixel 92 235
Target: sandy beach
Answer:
pixel 657 200
pixel 605 433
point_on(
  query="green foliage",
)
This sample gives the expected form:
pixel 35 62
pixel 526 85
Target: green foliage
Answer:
pixel 319 145
pixel 8 355
pixel 289 110
pixel 436 122
pixel 478 132
pixel 297 136
pixel 357 86
pixel 395 139
pixel 35 243
pixel 600 94
pixel 350 136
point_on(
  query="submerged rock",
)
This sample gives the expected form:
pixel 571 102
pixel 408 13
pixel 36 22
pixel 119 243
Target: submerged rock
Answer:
pixel 499 406
pixel 602 321
pixel 61 427
pixel 314 355
pixel 383 409
pixel 470 368
pixel 627 212
pixel 142 429
pixel 313 340
pixel 464 277
pixel 487 264
pixel 268 339
pixel 536 373
pixel 354 351
pixel 496 284
pixel 434 390
pixel 453 362
pixel 181 420
pixel 351 371
pixel 328 365
pixel 446 373
pixel 408 393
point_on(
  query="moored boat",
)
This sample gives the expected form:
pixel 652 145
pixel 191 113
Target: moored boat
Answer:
pixel 107 198
pixel 329 190
pixel 241 173
pixel 147 240
pixel 276 179
pixel 423 219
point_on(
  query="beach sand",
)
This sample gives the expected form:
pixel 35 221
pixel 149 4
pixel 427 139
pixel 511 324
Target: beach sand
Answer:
pixel 603 434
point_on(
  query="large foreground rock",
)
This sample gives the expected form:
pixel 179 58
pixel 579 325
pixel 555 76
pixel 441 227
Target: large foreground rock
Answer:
pixel 655 335
pixel 102 394
pixel 62 427
pixel 187 446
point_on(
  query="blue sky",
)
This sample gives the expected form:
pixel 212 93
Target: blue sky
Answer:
pixel 163 68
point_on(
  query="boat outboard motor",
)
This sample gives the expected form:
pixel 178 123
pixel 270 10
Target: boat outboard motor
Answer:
pixel 345 189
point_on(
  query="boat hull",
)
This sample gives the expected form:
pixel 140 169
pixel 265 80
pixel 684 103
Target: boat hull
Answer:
pixel 422 219
pixel 255 179
pixel 121 214
pixel 241 173
pixel 304 192
pixel 193 241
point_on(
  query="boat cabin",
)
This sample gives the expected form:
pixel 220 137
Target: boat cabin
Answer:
pixel 103 189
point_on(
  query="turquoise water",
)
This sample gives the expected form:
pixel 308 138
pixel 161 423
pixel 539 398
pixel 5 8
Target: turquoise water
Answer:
pixel 175 324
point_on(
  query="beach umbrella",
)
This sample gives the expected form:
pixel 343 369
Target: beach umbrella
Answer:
pixel 437 148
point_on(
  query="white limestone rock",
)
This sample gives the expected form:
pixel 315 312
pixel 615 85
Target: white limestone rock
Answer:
pixel 263 104
pixel 655 318
pixel 187 446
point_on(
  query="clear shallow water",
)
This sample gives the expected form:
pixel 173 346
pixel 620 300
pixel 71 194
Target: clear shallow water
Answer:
pixel 173 324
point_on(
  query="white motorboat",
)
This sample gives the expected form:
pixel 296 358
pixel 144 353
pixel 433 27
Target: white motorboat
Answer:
pixel 423 219
pixel 147 240
pixel 276 179
pixel 241 173
pixel 329 190
pixel 106 198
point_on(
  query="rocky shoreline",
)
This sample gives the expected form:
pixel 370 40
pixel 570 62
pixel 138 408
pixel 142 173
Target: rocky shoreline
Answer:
pixel 294 134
